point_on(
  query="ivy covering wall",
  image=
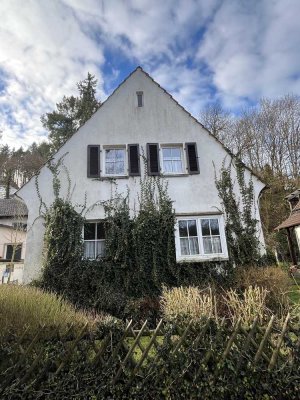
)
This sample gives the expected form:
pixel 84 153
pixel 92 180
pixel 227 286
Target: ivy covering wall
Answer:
pixel 140 251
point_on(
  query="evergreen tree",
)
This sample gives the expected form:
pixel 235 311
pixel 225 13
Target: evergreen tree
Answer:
pixel 71 113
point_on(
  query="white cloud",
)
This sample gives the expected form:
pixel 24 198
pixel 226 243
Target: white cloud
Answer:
pixel 253 50
pixel 249 50
pixel 44 52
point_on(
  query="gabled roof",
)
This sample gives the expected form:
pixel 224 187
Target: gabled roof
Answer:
pixel 292 220
pixel 12 207
pixel 139 68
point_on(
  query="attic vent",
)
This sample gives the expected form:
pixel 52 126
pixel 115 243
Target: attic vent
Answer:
pixel 139 96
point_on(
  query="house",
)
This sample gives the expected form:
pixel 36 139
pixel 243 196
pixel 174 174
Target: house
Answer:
pixel 292 224
pixel 139 120
pixel 13 223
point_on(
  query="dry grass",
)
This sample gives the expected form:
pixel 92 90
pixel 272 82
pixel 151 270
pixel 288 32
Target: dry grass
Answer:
pixel 251 304
pixel 24 306
pixel 188 302
pixel 275 280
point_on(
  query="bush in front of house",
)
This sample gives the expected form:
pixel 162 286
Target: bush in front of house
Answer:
pixel 274 279
pixel 29 308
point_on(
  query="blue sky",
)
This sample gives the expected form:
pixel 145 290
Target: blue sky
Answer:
pixel 232 51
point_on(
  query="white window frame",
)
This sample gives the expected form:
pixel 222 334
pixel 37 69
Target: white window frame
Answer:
pixel 115 147
pixel 5 248
pixel 93 240
pixel 183 158
pixel 201 256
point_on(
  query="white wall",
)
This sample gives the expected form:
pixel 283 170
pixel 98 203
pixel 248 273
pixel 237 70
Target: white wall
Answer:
pixel 120 121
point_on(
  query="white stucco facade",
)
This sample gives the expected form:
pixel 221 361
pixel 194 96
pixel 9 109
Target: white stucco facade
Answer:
pixel 120 121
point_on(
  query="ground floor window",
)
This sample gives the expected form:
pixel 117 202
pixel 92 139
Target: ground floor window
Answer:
pixel 94 240
pixel 13 252
pixel 200 238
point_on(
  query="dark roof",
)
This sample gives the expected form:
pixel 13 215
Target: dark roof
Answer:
pixel 12 207
pixel 292 220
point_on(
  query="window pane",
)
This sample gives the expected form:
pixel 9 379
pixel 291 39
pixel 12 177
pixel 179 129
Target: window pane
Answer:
pixel 176 153
pixel 205 227
pixel 89 249
pixel 100 230
pixel 168 166
pixel 207 245
pixel 216 242
pixel 100 248
pixel 120 154
pixel 110 154
pixel 184 247
pixel 177 166
pixel 214 226
pixel 167 153
pixel 119 167
pixel 89 231
pixel 109 168
pixel 192 227
pixel 194 247
pixel 183 228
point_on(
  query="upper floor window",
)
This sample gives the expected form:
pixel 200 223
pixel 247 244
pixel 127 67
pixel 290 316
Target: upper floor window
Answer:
pixel 115 161
pixel 94 239
pixel 172 159
pixel 140 99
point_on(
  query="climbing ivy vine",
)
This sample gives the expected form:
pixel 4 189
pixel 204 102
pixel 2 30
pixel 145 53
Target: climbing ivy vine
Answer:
pixel 241 225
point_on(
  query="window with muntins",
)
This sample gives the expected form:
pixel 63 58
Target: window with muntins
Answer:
pixel 200 238
pixel 94 240
pixel 115 161
pixel 172 159
pixel 13 252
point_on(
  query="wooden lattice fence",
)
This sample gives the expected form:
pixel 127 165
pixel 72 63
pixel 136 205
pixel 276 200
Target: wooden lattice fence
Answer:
pixel 136 354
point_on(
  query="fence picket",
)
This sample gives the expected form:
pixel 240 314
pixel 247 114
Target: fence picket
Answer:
pixel 279 343
pixel 264 341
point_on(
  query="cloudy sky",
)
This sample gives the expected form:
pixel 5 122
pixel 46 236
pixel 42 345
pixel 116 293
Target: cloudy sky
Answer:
pixel 233 51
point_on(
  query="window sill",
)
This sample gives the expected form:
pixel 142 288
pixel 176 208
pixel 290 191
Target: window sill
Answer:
pixel 111 178
pixel 173 175
pixel 201 258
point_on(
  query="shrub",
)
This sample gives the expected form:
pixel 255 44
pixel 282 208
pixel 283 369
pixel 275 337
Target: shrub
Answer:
pixel 24 306
pixel 187 302
pixel 144 308
pixel 274 279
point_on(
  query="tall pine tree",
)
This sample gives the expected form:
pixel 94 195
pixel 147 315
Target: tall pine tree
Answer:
pixel 71 113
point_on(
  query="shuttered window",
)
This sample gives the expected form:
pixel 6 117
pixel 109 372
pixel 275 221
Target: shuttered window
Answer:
pixel 133 160
pixel 153 159
pixel 93 161
pixel 192 158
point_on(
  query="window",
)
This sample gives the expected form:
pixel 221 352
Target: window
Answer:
pixel 188 237
pixel 94 240
pixel 211 236
pixel 139 96
pixel 13 252
pixel 200 238
pixel 115 161
pixel 172 159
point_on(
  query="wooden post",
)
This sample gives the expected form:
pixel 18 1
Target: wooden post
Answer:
pixel 291 247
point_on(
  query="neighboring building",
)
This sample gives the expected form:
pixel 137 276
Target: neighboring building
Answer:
pixel 292 224
pixel 140 118
pixel 13 223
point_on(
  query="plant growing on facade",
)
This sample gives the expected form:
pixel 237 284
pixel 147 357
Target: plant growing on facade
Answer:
pixel 241 225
